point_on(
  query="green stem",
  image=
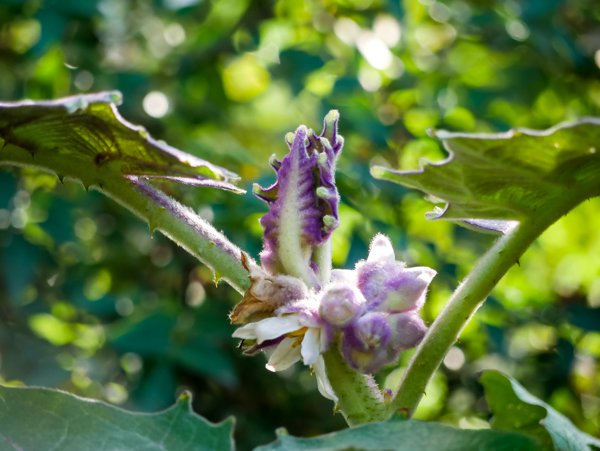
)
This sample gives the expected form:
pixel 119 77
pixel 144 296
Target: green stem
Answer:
pixel 162 212
pixel 359 398
pixel 184 227
pixel 465 301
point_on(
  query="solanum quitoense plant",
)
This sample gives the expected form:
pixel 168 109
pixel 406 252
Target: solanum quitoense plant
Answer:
pixel 344 324
pixel 297 307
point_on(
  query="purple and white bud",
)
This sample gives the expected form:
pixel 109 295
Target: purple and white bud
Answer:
pixel 303 205
pixel 377 339
pixel 381 250
pixel 408 330
pixel 392 287
pixel 341 304
pixel 372 330
pixel 366 343
pixel 278 289
pixel 266 293
pixel 387 322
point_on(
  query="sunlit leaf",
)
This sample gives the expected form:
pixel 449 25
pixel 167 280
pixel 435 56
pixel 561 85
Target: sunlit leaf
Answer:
pixel 515 409
pixel 76 136
pixel 84 138
pixel 510 176
pixel 41 419
pixel 405 436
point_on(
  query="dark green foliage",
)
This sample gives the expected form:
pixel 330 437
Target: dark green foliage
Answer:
pixel 405 436
pixel 515 409
pixel 80 135
pixel 40 419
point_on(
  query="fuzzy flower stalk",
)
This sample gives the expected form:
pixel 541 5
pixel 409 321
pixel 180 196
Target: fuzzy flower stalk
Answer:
pixel 298 307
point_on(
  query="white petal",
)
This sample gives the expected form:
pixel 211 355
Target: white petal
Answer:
pixel 347 276
pixel 323 384
pixel 245 332
pixel 423 273
pixel 285 355
pixel 269 328
pixel 310 346
pixel 381 249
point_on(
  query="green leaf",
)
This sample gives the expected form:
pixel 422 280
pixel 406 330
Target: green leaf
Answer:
pixel 405 436
pixel 85 138
pixel 41 419
pixel 76 136
pixel 515 409
pixel 510 176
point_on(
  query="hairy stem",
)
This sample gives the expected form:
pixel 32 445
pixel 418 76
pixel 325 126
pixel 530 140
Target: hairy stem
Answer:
pixel 163 213
pixel 184 227
pixel 359 398
pixel 465 301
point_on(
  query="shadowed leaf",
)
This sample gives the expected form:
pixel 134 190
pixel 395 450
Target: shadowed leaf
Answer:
pixel 405 436
pixel 515 409
pixel 41 419
pixel 89 132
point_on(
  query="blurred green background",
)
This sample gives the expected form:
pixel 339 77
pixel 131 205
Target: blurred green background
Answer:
pixel 91 303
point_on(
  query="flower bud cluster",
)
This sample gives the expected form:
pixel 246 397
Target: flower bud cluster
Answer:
pixel 372 311
pixel 375 308
pixel 297 308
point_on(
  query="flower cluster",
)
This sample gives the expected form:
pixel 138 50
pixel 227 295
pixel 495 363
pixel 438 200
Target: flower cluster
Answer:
pixel 375 308
pixel 297 307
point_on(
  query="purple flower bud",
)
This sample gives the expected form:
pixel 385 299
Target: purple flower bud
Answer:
pixel 377 339
pixel 293 218
pixel 303 204
pixel 341 304
pixel 365 343
pixel 392 287
pixel 387 284
pixel 278 289
pixel 381 250
pixel 372 330
pixel 408 330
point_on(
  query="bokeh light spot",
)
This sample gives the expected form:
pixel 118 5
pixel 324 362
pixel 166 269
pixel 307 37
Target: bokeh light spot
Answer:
pixel 387 29
pixel 369 79
pixel 455 359
pixel 346 30
pixel 156 104
pixel 245 78
pixel 174 34
pixel 374 50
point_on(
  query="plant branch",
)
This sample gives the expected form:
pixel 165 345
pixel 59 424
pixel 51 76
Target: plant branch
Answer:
pixel 359 398
pixel 465 301
pixel 162 212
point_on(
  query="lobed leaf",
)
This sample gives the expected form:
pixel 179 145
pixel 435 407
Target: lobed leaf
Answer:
pixel 405 436
pixel 85 138
pixel 515 409
pixel 42 419
pixel 88 131
pixel 509 176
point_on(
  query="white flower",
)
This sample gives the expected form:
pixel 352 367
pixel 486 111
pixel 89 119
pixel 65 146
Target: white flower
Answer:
pixel 295 334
